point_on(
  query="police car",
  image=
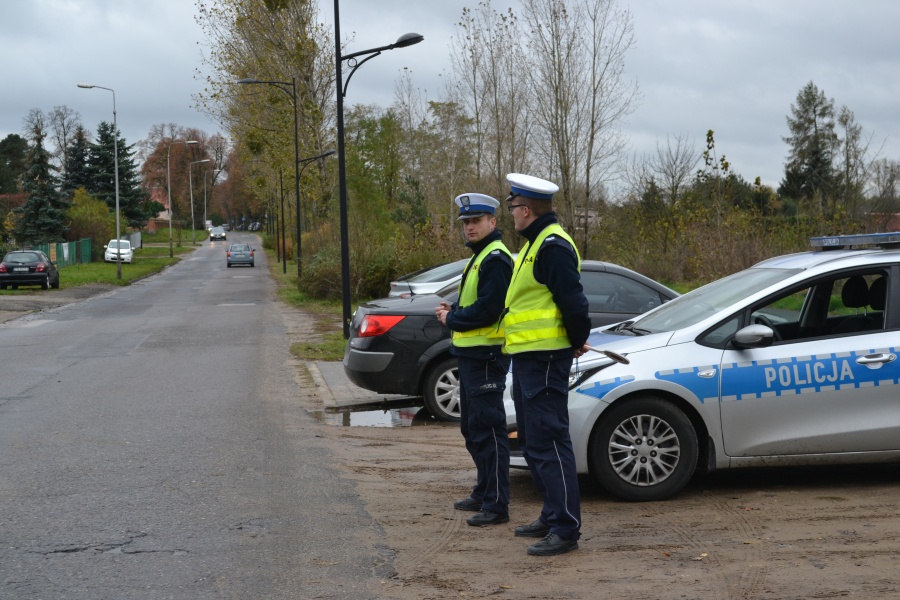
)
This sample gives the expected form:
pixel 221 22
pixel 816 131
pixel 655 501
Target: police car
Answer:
pixel 790 362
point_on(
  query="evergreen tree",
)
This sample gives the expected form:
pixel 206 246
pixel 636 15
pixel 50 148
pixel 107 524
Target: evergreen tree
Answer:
pixel 12 162
pixel 42 219
pixel 77 168
pixel 809 173
pixel 101 161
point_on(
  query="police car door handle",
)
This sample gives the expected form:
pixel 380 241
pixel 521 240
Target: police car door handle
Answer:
pixel 876 360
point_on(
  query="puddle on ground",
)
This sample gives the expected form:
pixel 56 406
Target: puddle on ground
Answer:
pixel 378 416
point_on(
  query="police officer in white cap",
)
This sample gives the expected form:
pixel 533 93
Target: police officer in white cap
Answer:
pixel 477 342
pixel 546 325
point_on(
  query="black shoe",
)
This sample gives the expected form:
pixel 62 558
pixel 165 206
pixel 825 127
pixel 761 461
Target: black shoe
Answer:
pixel 467 504
pixel 536 529
pixel 485 517
pixel 552 545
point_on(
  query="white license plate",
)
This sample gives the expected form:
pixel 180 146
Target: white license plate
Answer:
pixel 20 269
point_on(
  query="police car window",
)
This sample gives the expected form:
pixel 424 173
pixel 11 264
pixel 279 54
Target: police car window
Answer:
pixel 784 315
pixel 706 301
pixel 829 307
pixel 721 334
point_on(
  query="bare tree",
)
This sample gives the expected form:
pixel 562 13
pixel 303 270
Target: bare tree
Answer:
pixel 580 95
pixel 488 61
pixel 884 194
pixel 63 123
pixel 34 120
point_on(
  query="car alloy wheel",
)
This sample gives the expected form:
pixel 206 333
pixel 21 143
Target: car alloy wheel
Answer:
pixel 643 449
pixel 441 390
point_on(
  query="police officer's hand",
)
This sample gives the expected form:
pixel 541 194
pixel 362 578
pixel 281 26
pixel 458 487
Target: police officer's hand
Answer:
pixel 441 312
pixel 579 352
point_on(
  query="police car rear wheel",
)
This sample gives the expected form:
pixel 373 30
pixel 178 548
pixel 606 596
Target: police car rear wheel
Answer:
pixel 441 390
pixel 644 449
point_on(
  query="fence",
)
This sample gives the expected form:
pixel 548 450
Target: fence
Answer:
pixel 65 254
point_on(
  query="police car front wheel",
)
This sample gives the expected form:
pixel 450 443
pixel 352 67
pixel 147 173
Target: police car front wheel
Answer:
pixel 643 449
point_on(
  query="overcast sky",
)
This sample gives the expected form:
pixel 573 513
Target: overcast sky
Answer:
pixel 733 67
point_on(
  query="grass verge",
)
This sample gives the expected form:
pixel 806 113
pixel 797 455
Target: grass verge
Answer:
pixel 330 346
pixel 100 272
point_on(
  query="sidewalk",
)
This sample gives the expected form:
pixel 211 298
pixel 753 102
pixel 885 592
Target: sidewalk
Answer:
pixel 338 392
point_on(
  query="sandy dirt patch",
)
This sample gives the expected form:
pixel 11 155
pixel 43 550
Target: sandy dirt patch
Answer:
pixel 744 534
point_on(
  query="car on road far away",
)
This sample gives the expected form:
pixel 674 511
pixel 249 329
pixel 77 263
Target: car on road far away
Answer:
pixel 239 254
pixel 28 267
pixel 122 248
pixel 217 233
pixel 397 345
pixel 793 361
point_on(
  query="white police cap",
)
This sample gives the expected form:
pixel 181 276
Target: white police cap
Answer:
pixel 475 205
pixel 530 186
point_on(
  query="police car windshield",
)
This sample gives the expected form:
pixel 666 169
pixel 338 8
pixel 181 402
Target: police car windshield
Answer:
pixel 706 301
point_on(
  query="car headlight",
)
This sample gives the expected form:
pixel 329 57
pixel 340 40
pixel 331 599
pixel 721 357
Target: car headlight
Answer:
pixel 577 377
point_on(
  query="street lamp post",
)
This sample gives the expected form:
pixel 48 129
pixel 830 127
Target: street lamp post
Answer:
pixel 283 246
pixel 169 184
pixel 283 86
pixel 191 186
pixel 216 171
pixel 404 40
pixel 305 162
pixel 116 170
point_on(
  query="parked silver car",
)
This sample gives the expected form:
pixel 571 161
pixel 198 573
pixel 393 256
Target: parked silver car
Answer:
pixel 239 254
pixel 790 362
pixel 428 280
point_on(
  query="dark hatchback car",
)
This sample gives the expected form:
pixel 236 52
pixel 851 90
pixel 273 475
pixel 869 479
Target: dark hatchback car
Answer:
pixel 397 345
pixel 28 267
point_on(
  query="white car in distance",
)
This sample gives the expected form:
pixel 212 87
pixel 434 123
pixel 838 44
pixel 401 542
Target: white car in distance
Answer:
pixel 122 248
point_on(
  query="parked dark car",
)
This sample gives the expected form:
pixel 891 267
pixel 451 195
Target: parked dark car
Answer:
pixel 397 345
pixel 28 267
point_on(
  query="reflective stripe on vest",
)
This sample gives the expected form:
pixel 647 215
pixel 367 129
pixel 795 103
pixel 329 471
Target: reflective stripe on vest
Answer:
pixel 533 321
pixel 491 335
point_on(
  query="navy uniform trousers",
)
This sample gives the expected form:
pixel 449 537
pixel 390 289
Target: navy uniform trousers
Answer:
pixel 483 426
pixel 541 395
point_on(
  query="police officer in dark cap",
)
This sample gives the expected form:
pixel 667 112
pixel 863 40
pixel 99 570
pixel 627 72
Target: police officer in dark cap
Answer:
pixel 477 344
pixel 546 325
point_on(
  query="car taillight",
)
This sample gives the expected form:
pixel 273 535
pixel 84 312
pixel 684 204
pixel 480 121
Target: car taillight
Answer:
pixel 373 325
pixel 40 268
pixel 3 268
pixel 251 253
pixel 228 253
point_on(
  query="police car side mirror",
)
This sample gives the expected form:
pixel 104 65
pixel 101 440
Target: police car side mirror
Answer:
pixel 753 336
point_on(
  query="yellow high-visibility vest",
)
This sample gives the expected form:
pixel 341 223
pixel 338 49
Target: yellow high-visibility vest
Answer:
pixel 533 321
pixel 491 335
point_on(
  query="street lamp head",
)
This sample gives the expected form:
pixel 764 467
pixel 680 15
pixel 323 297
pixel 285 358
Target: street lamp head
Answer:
pixel 329 153
pixel 249 80
pixel 86 86
pixel 408 39
pixel 192 143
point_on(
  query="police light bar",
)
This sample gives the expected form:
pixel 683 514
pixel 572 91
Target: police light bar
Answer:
pixel 859 239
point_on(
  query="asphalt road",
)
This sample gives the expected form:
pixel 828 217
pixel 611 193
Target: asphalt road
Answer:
pixel 151 446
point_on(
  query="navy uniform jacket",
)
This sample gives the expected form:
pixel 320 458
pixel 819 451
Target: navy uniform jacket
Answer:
pixel 493 281
pixel 556 266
